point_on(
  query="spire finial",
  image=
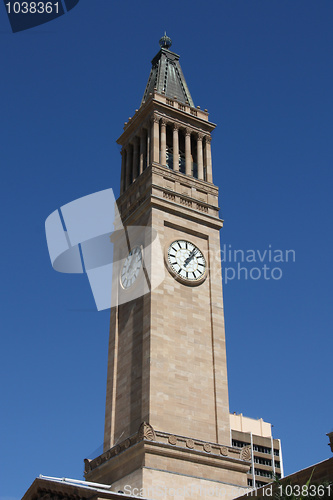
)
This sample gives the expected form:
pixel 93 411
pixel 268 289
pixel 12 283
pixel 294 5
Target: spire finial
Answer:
pixel 165 42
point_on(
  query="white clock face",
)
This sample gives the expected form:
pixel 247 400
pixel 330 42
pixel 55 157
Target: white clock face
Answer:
pixel 186 260
pixel 131 267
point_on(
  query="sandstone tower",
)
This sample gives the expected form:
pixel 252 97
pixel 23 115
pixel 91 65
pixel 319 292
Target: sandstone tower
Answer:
pixel 167 411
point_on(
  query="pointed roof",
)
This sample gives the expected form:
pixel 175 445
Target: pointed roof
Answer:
pixel 166 75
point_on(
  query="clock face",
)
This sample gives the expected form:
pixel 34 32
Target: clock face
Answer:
pixel 186 261
pixel 131 267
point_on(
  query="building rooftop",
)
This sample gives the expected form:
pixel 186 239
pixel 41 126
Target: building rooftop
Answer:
pixel 166 76
pixel 73 489
pixel 238 422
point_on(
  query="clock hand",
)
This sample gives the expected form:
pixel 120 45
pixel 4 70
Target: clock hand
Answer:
pixel 190 257
pixel 130 265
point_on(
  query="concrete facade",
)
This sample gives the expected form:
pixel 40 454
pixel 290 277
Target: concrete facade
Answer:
pixel 266 453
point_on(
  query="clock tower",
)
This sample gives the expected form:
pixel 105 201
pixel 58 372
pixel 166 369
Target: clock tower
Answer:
pixel 167 417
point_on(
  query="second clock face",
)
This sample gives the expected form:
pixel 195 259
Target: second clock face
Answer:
pixel 131 267
pixel 186 260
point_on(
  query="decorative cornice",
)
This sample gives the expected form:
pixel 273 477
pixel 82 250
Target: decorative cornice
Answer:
pixel 246 453
pixel 186 180
pixel 149 189
pixel 147 434
pixel 198 120
pixel 146 431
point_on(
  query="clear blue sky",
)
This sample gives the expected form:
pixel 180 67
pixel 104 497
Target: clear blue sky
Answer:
pixel 263 68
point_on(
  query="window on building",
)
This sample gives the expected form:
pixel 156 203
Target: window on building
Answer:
pixel 262 461
pixel 261 449
pixel 239 444
pixel 259 484
pixel 263 473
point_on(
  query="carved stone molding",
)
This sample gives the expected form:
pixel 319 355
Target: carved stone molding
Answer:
pixel 179 444
pixel 190 444
pixel 246 453
pixel 87 466
pixel 207 447
pixel 169 196
pixel 146 432
pixel 202 208
pixel 208 139
pixel 200 136
pixel 189 181
pixel 184 201
pixel 172 440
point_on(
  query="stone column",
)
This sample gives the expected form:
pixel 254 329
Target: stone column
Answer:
pixel 188 158
pixel 142 150
pixel 163 142
pixel 209 159
pixel 200 157
pixel 122 178
pixel 148 145
pixel 128 178
pixel 176 147
pixel 155 140
pixel 135 158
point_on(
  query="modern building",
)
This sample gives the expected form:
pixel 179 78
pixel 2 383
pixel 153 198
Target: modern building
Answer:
pixel 266 453
pixel 314 482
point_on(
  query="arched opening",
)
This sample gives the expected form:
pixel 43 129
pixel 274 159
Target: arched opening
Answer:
pixel 169 147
